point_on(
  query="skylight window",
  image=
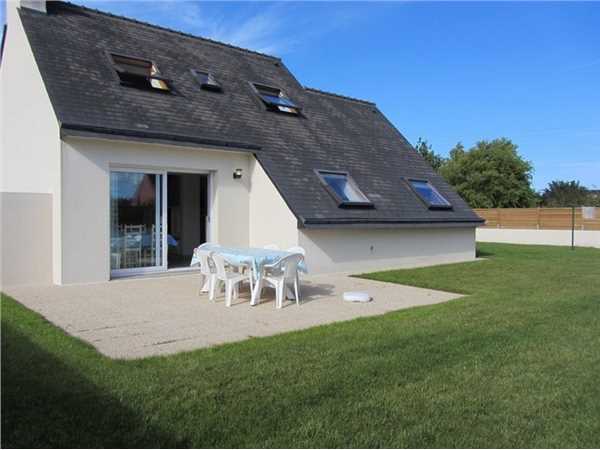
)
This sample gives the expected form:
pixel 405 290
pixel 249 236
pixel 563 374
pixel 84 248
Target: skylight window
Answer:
pixel 343 189
pixel 429 194
pixel 206 80
pixel 276 100
pixel 139 73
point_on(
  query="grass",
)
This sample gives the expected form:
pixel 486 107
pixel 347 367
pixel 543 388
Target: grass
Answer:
pixel 514 364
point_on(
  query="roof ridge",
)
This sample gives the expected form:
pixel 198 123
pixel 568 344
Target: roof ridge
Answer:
pixel 344 97
pixel 170 30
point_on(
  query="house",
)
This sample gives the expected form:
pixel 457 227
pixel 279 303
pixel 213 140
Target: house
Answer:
pixel 126 144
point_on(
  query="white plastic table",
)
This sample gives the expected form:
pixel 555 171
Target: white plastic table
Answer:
pixel 254 257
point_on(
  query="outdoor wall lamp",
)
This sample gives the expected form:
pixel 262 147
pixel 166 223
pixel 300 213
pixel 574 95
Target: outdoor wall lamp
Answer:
pixel 237 174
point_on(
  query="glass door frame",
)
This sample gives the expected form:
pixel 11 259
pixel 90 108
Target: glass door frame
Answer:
pixel 160 219
pixel 207 221
pixel 163 266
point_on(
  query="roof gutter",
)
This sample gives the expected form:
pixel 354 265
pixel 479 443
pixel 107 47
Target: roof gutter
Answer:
pixel 387 224
pixel 90 131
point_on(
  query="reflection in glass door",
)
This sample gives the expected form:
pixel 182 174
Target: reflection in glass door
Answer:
pixel 135 221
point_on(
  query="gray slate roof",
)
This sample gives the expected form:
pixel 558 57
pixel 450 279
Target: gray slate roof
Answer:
pixel 71 45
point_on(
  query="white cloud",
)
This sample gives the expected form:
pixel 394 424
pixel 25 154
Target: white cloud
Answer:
pixel 273 28
pixel 264 31
pixel 268 27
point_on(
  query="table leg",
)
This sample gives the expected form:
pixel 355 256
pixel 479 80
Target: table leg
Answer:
pixel 256 291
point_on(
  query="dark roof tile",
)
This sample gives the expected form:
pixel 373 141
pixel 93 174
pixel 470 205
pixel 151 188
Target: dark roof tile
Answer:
pixel 72 44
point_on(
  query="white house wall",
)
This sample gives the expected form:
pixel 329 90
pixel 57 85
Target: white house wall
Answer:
pixel 271 221
pixel 29 152
pixel 358 251
pixel 26 239
pixel 86 205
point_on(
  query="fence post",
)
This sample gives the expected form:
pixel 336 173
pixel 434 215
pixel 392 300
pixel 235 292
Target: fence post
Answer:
pixel 572 228
pixel 538 217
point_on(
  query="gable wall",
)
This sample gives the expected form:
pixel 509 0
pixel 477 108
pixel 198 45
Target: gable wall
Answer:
pixel 270 220
pixel 30 153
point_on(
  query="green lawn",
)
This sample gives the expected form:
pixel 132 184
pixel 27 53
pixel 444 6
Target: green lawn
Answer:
pixel 514 364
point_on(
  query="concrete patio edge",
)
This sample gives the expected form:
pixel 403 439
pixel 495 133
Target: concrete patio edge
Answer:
pixel 142 317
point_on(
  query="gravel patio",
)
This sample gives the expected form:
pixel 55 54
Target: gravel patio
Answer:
pixel 136 318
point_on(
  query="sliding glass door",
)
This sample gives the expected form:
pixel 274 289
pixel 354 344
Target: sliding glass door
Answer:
pixel 136 221
pixel 187 213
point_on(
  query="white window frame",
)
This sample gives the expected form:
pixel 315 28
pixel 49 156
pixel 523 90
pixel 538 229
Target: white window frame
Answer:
pixel 429 205
pixel 163 266
pixel 366 203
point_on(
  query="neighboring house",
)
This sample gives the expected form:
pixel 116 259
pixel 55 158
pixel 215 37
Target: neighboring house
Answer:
pixel 115 131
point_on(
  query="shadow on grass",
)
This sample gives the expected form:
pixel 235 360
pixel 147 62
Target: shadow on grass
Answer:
pixel 46 403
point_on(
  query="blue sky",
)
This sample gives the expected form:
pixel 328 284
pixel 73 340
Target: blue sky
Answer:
pixel 446 72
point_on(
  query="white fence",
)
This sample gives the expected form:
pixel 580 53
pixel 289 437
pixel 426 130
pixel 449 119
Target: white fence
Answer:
pixel 583 238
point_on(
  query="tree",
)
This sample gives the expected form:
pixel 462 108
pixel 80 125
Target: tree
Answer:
pixel 457 151
pixel 565 193
pixel 593 198
pixel 436 161
pixel 490 175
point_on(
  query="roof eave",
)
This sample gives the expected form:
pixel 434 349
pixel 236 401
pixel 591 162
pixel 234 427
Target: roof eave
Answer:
pixel 380 224
pixel 151 137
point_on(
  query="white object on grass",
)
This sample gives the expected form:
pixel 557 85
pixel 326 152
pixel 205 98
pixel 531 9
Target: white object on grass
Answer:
pixel 361 297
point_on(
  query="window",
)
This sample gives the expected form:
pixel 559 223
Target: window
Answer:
pixel 429 194
pixel 276 100
pixel 206 81
pixel 343 189
pixel 139 73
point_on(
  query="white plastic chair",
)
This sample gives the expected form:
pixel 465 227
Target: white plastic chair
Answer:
pixel 246 270
pixel 298 250
pixel 231 279
pixel 133 239
pixel 207 270
pixel 271 247
pixel 279 275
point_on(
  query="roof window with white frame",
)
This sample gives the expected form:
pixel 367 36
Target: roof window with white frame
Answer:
pixel 342 187
pixel 429 194
pixel 139 73
pixel 275 99
pixel 206 81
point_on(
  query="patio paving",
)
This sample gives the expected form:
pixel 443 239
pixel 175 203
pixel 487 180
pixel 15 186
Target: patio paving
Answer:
pixel 135 318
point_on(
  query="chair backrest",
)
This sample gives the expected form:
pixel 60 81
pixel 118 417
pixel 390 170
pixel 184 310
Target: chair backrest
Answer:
pixel 289 265
pixel 271 247
pixel 207 266
pixel 299 250
pixel 219 264
pixel 133 236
